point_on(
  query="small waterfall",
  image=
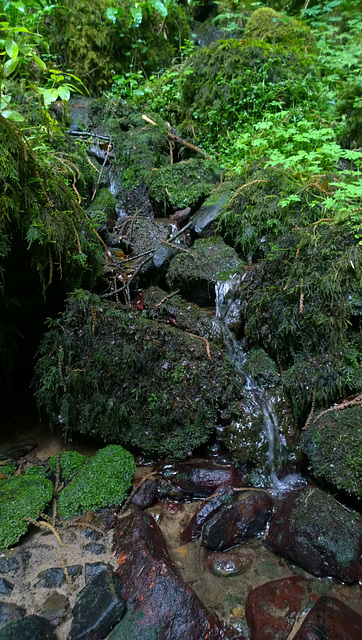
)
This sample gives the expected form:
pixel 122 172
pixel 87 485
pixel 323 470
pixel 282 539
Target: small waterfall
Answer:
pixel 256 399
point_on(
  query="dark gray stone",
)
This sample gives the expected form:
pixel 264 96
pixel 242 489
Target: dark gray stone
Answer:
pixel 95 547
pixel 93 569
pixel 28 628
pixel 6 587
pixel 98 608
pixel 10 611
pixel 55 576
pixel 55 608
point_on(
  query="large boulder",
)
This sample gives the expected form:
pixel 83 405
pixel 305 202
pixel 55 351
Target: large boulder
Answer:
pixel 312 529
pixel 330 618
pixel 115 374
pixel 333 445
pixel 159 603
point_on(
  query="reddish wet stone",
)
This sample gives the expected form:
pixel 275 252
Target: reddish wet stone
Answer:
pixel 159 603
pixel 272 608
pixel 145 495
pixel 314 530
pixel 224 495
pixel 330 619
pixel 200 479
pixel 238 522
pixel 227 564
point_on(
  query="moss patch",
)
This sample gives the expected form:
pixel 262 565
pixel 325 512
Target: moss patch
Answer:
pixel 333 444
pixel 21 497
pixel 271 26
pixel 70 464
pixel 104 481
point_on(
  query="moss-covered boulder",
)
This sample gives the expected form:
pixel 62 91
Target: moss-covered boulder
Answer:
pixel 312 529
pixel 196 272
pixel 225 83
pixel 22 497
pixel 273 27
pixel 121 377
pixel 67 463
pixel 104 481
pixel 333 445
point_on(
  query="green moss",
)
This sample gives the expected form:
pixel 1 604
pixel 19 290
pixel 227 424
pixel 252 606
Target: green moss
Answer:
pixel 317 516
pixel 270 26
pixel 262 368
pixel 8 469
pixel 116 374
pixel 103 482
pixel 333 444
pixel 70 464
pixel 183 184
pixel 21 497
pixel 209 260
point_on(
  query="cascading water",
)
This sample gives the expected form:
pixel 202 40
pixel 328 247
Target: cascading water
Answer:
pixel 257 400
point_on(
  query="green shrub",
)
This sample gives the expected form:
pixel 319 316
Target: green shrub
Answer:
pixel 103 482
pixel 22 497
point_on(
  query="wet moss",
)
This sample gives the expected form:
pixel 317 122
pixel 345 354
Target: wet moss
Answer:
pixel 70 464
pixel 333 445
pixel 273 27
pixel 126 379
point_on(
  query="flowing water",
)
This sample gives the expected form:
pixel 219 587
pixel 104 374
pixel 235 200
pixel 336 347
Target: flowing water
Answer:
pixel 257 400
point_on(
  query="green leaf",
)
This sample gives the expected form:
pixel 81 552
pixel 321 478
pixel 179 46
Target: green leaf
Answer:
pixel 25 49
pixel 50 95
pixel 11 48
pixel 136 13
pixel 39 62
pixel 12 115
pixel 159 6
pixel 64 92
pixel 10 66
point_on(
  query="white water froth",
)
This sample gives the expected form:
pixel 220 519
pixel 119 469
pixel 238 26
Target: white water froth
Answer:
pixel 256 398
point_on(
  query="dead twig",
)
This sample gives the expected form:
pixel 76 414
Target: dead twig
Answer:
pixel 189 145
pixel 170 295
pixel 109 147
pixel 204 340
pixel 247 184
pixel 356 402
pixel 42 524
pixel 176 246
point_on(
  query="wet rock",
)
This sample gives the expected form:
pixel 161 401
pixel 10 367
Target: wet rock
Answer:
pixel 55 608
pixel 145 495
pixel 14 560
pixel 28 628
pixel 315 531
pixel 95 547
pixel 162 256
pixel 159 603
pixel 224 495
pixel 91 534
pixel 55 576
pixel 196 272
pixel 93 569
pixel 228 564
pixel 10 611
pixel 16 452
pixel 333 445
pixel 144 235
pixel 166 489
pixel 6 587
pixel 238 522
pixel 204 217
pixel 98 608
pixel 272 608
pixel 199 479
pixel 330 618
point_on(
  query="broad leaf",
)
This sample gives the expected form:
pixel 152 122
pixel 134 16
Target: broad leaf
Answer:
pixel 11 48
pixel 10 66
pixel 64 92
pixel 50 95
pixel 39 62
pixel 159 6
pixel 12 115
pixel 136 13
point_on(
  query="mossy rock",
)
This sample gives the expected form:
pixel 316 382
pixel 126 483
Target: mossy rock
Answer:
pixel 22 497
pixel 224 84
pixel 121 377
pixel 104 481
pixel 196 272
pixel 271 26
pixel 262 368
pixel 183 184
pixel 162 307
pixel 333 445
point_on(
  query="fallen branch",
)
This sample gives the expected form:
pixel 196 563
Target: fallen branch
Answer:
pixel 170 295
pixel 189 145
pixel 176 246
pixel 247 184
pixel 125 286
pixel 204 340
pixel 356 402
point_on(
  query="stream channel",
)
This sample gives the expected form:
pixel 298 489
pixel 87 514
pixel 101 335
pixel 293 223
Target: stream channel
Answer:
pixel 221 585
